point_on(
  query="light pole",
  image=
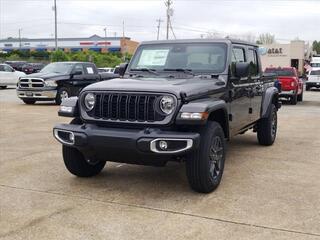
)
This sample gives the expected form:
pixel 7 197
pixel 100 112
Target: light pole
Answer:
pixel 55 26
pixel 159 23
pixel 20 45
pixel 105 37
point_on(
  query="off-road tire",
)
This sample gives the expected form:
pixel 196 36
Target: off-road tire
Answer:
pixel 77 164
pixel 300 97
pixel 294 99
pixel 198 163
pixel 61 90
pixel 29 101
pixel 266 130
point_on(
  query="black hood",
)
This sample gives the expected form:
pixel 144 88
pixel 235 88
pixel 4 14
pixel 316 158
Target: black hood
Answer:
pixel 189 86
pixel 46 76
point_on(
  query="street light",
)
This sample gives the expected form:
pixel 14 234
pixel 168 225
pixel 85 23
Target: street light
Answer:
pixel 105 36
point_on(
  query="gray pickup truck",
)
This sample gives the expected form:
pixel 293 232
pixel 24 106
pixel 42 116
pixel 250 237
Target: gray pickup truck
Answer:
pixel 59 80
pixel 178 100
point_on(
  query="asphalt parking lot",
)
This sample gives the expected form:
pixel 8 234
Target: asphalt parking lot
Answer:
pixel 266 192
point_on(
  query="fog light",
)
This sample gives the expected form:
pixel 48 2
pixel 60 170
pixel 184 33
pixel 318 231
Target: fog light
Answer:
pixel 163 145
pixel 71 137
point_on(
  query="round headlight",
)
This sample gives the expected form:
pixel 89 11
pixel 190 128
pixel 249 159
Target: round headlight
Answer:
pixel 89 101
pixel 167 104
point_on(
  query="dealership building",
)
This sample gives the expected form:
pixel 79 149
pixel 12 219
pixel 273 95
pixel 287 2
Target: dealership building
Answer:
pixel 93 43
pixel 293 54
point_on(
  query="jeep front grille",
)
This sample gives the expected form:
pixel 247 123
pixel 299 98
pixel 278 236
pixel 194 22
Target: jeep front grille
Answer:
pixel 127 107
pixel 31 83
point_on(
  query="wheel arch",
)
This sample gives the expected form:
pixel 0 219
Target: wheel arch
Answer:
pixel 271 96
pixel 220 116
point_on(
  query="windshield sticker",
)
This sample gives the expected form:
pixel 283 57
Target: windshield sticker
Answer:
pixel 89 70
pixel 153 57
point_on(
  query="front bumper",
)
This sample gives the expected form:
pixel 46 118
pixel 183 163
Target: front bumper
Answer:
pixel 37 94
pixel 138 146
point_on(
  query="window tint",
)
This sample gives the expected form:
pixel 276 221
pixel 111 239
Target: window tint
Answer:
pixel 238 55
pixel 252 60
pixel 78 68
pixel 1 68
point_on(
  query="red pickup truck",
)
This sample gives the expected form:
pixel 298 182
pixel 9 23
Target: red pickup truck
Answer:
pixel 291 84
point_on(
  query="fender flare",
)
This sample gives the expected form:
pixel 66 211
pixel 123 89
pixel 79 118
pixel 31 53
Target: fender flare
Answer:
pixel 269 95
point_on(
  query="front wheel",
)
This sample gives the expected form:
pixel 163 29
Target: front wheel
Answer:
pixel 29 101
pixel 267 128
pixel 294 99
pixel 300 97
pixel 3 87
pixel 62 93
pixel 76 163
pixel 205 165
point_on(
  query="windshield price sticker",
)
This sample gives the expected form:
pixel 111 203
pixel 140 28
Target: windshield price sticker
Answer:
pixel 89 70
pixel 153 57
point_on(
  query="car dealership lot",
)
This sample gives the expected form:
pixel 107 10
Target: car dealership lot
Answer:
pixel 266 192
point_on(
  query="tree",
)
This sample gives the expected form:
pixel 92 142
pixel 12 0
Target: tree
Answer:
pixel 58 56
pixel 266 38
pixel 316 46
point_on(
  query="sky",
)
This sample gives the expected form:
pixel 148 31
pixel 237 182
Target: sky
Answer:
pixel 244 19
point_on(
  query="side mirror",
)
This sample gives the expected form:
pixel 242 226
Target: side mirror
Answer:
pixel 241 69
pixel 122 69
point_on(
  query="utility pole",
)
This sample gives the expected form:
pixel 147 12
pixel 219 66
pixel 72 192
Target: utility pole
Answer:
pixel 55 26
pixel 20 45
pixel 169 14
pixel 105 37
pixel 159 23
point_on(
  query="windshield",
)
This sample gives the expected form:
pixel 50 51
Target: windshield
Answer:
pixel 194 57
pixel 281 72
pixel 64 68
pixel 317 72
pixel 315 64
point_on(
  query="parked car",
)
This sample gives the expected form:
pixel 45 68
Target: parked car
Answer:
pixel 108 70
pixel 29 68
pixel 9 76
pixel 178 100
pixel 57 81
pixel 291 83
pixel 16 65
pixel 313 80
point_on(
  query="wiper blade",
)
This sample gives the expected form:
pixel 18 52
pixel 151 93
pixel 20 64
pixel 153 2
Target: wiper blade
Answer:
pixel 184 70
pixel 150 70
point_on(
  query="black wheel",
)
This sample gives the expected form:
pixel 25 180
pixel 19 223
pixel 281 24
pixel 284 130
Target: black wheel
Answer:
pixel 205 166
pixel 77 164
pixel 3 87
pixel 300 97
pixel 307 88
pixel 294 99
pixel 29 101
pixel 62 93
pixel 267 128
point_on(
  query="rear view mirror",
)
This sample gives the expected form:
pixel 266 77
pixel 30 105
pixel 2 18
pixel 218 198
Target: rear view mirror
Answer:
pixel 122 68
pixel 241 69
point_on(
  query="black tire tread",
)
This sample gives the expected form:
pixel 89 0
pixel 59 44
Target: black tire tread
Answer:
pixel 263 130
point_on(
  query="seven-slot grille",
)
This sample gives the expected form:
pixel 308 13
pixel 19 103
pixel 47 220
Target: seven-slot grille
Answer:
pixel 31 83
pixel 127 107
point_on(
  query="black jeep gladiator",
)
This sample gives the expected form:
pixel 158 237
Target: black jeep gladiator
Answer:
pixel 59 80
pixel 177 100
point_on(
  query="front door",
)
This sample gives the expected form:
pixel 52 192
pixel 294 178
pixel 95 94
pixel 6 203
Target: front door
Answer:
pixel 239 90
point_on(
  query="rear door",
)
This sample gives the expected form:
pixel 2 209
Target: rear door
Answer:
pixel 239 93
pixel 7 75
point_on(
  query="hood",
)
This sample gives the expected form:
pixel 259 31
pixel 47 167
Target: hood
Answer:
pixel 45 76
pixel 190 86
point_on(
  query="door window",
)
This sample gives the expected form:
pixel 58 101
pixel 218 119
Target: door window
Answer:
pixel 78 68
pixel 252 60
pixel 238 55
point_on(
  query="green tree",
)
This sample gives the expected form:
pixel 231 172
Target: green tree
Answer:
pixel 59 56
pixel 316 46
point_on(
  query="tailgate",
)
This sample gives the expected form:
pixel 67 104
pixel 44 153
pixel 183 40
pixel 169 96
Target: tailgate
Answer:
pixel 286 83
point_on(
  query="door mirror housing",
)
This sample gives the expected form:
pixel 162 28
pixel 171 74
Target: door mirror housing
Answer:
pixel 122 69
pixel 241 69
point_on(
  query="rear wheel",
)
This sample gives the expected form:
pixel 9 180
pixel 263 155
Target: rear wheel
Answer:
pixel 205 166
pixel 294 99
pixel 29 101
pixel 3 87
pixel 267 128
pixel 62 93
pixel 307 88
pixel 300 97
